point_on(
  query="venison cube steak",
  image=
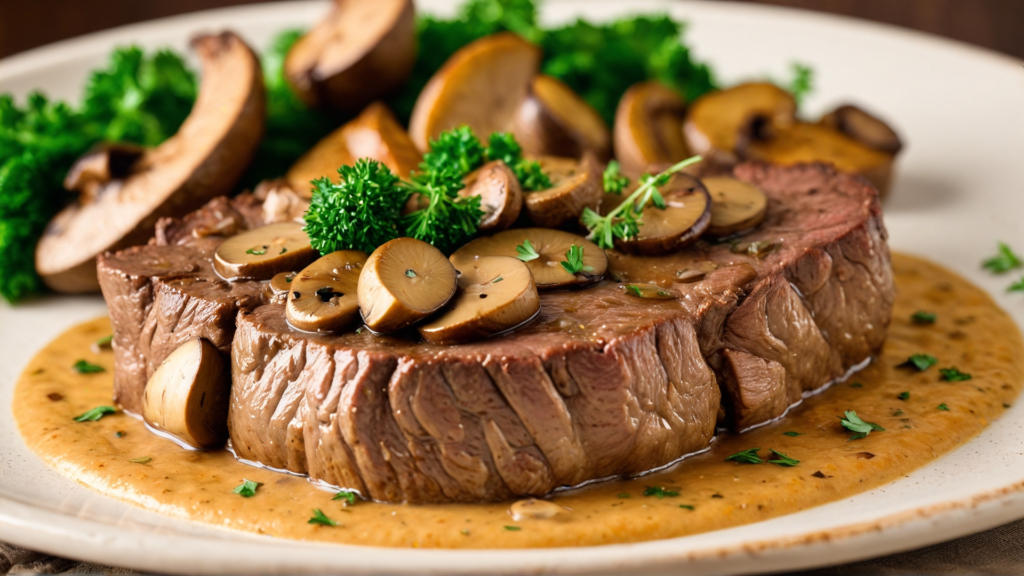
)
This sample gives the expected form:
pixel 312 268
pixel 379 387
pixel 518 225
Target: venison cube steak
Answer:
pixel 603 383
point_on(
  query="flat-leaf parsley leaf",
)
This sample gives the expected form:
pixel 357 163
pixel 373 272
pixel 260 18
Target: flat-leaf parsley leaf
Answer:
pixel 859 427
pixel 921 362
pixel 1004 260
pixel 95 414
pixel 84 367
pixel 247 489
pixel 659 492
pixel 321 519
pixel 954 375
pixel 573 263
pixel 526 251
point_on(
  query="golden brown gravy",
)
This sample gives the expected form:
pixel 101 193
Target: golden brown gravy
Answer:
pixel 971 333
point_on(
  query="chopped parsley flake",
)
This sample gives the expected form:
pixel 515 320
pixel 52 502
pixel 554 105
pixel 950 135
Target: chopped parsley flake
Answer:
pixel 686 506
pixel 348 496
pixel 95 414
pixel 247 489
pixel 921 317
pixel 1017 286
pixel 1004 260
pixel 141 460
pixel 954 375
pixel 856 385
pixel 792 434
pixel 410 273
pixel 859 427
pixel 635 290
pixel 920 361
pixel 782 460
pixel 943 407
pixel 904 396
pixel 513 528
pixel 257 251
pixel 659 492
pixel 105 341
pixel 898 412
pixel 573 263
pixel 526 251
pixel 747 457
pixel 83 367
pixel 321 519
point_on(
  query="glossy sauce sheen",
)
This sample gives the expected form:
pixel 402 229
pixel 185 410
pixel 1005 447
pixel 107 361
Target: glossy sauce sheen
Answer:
pixel 971 333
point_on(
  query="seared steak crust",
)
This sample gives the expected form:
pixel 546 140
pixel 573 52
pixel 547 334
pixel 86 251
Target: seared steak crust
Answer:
pixel 601 384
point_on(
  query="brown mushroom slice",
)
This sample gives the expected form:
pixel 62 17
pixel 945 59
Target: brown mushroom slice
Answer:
pixel 550 247
pixel 323 296
pixel 720 123
pixel 107 162
pixel 480 86
pixel 686 216
pixel 649 128
pixel 802 143
pixel 534 509
pixel 555 121
pixel 496 294
pixel 260 253
pixel 202 161
pixel 576 185
pixel 736 206
pixel 404 281
pixel 282 282
pixel 864 127
pixel 374 134
pixel 501 196
pixel 361 51
pixel 187 396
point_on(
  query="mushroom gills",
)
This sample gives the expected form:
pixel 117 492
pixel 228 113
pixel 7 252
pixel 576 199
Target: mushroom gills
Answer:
pixel 736 206
pixel 187 396
pixel 577 184
pixel 549 248
pixel 261 253
pixel 496 294
pixel 649 128
pixel 404 281
pixel 323 296
pixel 686 216
pixel 552 120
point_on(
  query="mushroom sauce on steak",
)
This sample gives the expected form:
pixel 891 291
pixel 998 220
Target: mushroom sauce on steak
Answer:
pixel 602 383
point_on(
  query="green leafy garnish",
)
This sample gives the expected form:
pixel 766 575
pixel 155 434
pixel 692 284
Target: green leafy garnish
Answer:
pixel 573 263
pixel 84 367
pixel 624 221
pixel 614 181
pixel 1017 286
pixel 360 212
pixel 943 407
pixel 247 489
pixel 448 220
pixel 953 375
pixel 748 456
pixel 792 434
pixel 141 460
pixel 782 460
pixel 257 251
pixel 635 290
pixel 526 251
pixel 922 317
pixel 503 146
pixel 95 414
pixel 921 362
pixel 458 147
pixel 321 519
pixel 410 273
pixel 860 428
pixel 1004 260
pixel 659 492
pixel 904 396
pixel 686 506
pixel 105 341
pixel 348 496
pixel 802 83
pixel 513 528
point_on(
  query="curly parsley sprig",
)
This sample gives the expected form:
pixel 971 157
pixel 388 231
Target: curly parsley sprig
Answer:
pixel 448 220
pixel 624 220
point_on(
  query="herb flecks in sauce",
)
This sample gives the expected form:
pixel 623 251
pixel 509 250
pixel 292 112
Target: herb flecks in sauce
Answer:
pixel 748 456
pixel 95 414
pixel 347 497
pixel 923 318
pixel 660 492
pixel 954 375
pixel 320 519
pixel 1004 260
pixel 920 361
pixel 247 489
pixel 782 460
pixel 852 422
pixel 85 367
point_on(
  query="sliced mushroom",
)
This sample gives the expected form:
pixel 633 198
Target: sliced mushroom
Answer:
pixel 260 253
pixel 501 196
pixel 374 134
pixel 720 124
pixel 686 216
pixel 187 397
pixel 107 162
pixel 496 294
pixel 481 86
pixel 361 51
pixel 404 281
pixel 550 247
pixel 802 143
pixel 323 296
pixel 865 128
pixel 281 283
pixel 576 185
pixel 736 206
pixel 202 161
pixel 534 509
pixel 554 121
pixel 649 128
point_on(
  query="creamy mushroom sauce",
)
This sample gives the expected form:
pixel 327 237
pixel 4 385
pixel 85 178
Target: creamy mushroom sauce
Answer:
pixel 971 333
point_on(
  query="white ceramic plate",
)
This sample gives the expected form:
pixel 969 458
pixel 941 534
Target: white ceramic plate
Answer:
pixel 960 188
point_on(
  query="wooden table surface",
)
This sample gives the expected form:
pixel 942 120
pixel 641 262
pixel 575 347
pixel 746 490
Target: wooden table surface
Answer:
pixel 996 24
